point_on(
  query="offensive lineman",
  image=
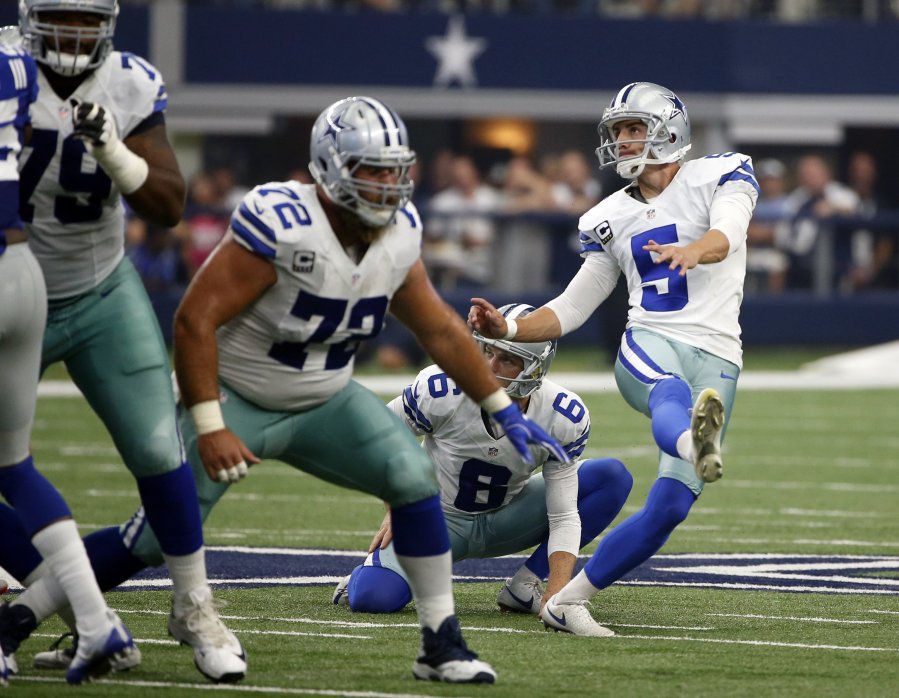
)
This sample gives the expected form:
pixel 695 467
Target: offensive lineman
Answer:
pixel 678 232
pixel 99 135
pixel 494 504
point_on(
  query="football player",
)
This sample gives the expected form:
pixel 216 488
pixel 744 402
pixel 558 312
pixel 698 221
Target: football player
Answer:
pixel 494 504
pixel 44 515
pixel 264 344
pixel 99 135
pixel 678 232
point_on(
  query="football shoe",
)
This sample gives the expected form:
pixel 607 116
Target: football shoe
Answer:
pixel 445 657
pixel 57 656
pixel 572 618
pixel 218 655
pixel 341 595
pixel 520 598
pixel 111 650
pixel 705 427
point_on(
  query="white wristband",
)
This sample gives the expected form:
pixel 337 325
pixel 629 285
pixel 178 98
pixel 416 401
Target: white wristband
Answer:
pixel 497 401
pixel 511 329
pixel 128 170
pixel 207 417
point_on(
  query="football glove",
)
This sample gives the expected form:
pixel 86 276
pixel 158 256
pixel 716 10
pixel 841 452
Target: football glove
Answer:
pixel 522 431
pixel 94 124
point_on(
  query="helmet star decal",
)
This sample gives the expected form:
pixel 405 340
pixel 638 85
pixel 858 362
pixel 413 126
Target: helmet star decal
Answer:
pixel 679 107
pixel 334 127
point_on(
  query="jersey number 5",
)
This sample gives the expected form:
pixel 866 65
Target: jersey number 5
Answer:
pixel 664 290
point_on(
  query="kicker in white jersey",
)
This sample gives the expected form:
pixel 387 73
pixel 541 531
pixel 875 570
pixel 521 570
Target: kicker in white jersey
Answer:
pixel 73 211
pixel 706 300
pixel 293 349
pixel 478 470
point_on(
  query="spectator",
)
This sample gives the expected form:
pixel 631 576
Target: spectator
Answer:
pixel 818 198
pixel 576 190
pixel 205 221
pixel 458 244
pixel 766 266
pixel 872 250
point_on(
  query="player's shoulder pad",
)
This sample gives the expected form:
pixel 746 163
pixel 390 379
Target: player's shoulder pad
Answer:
pixel 266 215
pixel 719 168
pixel 136 82
pixel 437 391
pixel 18 72
pixel 605 210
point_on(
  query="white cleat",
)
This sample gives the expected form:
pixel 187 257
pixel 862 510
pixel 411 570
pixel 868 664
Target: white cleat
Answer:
pixel 705 427
pixel 57 657
pixel 113 649
pixel 520 598
pixel 341 596
pixel 572 618
pixel 445 657
pixel 218 655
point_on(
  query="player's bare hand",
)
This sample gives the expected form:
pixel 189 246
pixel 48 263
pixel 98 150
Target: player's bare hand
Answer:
pixel 675 256
pixel 383 536
pixel 225 457
pixel 486 319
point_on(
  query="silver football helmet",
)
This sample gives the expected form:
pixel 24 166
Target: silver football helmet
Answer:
pixel 667 123
pixel 361 131
pixel 67 50
pixel 537 356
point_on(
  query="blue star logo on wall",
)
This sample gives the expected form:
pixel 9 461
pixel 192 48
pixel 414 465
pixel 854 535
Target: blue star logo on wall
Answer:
pixel 677 104
pixel 335 126
pixel 455 54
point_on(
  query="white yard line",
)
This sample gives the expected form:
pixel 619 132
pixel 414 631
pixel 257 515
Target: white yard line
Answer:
pixel 796 618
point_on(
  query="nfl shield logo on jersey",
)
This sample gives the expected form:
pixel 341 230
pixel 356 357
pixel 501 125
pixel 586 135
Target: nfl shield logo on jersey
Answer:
pixel 303 260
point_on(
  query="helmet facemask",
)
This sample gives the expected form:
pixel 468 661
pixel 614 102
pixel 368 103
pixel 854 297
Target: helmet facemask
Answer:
pixel 537 356
pixel 667 129
pixel 355 133
pixel 64 48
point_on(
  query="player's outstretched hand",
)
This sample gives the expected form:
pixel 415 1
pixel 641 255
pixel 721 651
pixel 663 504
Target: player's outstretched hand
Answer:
pixel 522 431
pixel 486 319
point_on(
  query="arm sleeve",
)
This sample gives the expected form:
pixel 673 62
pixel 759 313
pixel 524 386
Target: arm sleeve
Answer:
pixel 561 508
pixel 731 210
pixel 592 284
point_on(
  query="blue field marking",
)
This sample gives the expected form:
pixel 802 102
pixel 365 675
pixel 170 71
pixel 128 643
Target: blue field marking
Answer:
pixel 241 567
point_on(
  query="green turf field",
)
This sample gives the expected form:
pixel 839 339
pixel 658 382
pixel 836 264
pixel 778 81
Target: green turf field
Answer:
pixel 805 473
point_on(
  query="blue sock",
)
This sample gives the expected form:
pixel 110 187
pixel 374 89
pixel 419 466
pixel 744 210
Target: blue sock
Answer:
pixel 17 555
pixel 642 535
pixel 113 563
pixel 419 529
pixel 669 404
pixel 603 487
pixel 173 512
pixel 36 501
pixel 376 589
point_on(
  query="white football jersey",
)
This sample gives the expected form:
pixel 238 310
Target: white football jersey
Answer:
pixel 476 470
pixel 293 348
pixel 73 212
pixel 701 308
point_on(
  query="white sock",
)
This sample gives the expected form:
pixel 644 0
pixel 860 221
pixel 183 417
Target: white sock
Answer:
pixel 63 551
pixel 685 446
pixel 578 589
pixel 525 576
pixel 44 597
pixel 38 572
pixel 430 579
pixel 188 574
